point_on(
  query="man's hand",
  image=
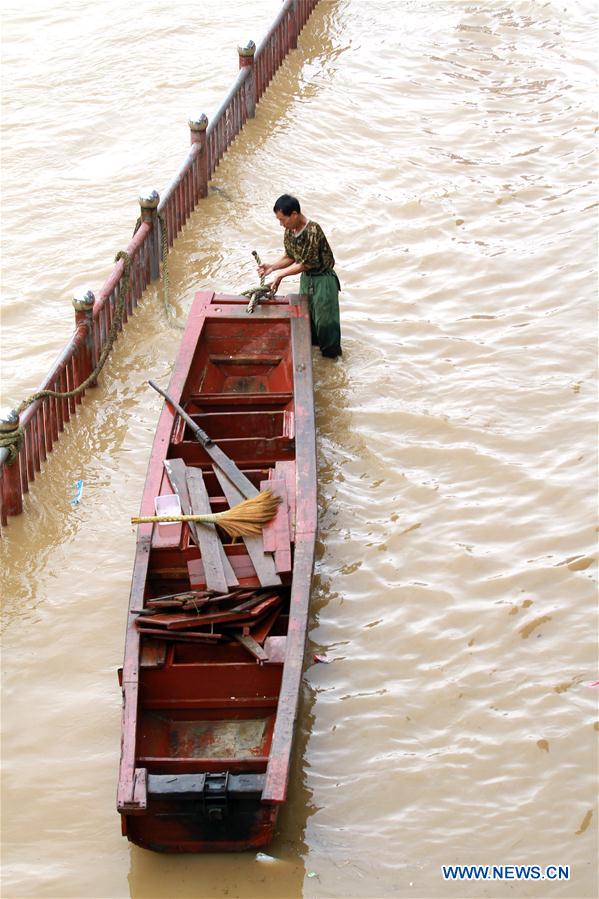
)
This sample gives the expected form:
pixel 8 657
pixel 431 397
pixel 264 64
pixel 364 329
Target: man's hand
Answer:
pixel 274 284
pixel 264 270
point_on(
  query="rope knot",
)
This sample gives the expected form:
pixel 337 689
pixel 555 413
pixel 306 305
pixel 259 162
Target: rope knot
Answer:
pixel 126 260
pixel 11 438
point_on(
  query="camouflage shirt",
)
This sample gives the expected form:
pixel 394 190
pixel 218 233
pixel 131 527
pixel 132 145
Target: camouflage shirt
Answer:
pixel 311 248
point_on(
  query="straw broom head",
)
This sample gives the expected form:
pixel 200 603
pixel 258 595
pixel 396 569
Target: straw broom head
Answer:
pixel 246 519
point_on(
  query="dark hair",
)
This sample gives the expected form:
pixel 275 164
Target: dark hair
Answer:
pixel 287 204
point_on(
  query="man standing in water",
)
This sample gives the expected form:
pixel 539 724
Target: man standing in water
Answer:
pixel 307 251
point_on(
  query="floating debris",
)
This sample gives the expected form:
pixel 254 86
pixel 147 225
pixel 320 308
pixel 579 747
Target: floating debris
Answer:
pixel 77 498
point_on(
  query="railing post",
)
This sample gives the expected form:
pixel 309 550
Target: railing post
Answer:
pixel 12 496
pixel 246 60
pixel 148 202
pixel 293 29
pixel 83 304
pixel 197 128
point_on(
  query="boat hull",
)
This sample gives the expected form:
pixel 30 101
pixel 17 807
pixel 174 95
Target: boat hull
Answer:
pixel 211 678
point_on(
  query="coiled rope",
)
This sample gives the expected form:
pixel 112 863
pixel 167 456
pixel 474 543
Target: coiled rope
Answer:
pixel 14 439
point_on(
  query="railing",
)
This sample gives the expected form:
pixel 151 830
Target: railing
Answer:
pixel 44 420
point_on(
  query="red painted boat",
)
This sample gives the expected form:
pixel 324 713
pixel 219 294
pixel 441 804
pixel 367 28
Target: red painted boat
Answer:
pixel 217 628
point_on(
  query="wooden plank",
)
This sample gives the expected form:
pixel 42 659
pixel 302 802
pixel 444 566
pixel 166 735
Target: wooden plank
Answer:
pixel 140 788
pixel 277 772
pixel 263 628
pixel 236 400
pixel 219 571
pixel 247 611
pixel 191 622
pixel 259 605
pixel 175 469
pixel 285 470
pixel 256 359
pixel 276 533
pixel 230 575
pixel 185 636
pixel 152 655
pixel 125 798
pixel 249 452
pixel 262 562
pixel 241 565
pixel 210 545
pixel 264 605
pixel 252 647
pixel 268 531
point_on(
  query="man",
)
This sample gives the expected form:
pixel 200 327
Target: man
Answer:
pixel 307 252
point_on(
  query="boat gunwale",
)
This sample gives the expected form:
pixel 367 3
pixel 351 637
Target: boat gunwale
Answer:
pixel 207 305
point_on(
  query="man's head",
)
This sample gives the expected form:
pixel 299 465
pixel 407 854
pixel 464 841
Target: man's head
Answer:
pixel 288 211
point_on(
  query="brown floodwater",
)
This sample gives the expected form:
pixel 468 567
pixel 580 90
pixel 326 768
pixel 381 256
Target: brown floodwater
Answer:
pixel 449 151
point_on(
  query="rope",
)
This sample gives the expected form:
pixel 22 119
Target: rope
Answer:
pixel 14 439
pixel 12 442
pixel 169 311
pixel 170 314
pixel 257 294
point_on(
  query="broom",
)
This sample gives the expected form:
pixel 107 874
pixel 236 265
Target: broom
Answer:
pixel 246 519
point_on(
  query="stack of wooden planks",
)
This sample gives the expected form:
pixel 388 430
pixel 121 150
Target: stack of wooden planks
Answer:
pixel 267 557
pixel 201 616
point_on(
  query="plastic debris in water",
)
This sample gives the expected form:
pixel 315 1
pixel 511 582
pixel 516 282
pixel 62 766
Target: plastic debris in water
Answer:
pixel 263 857
pixel 312 874
pixel 322 659
pixel 77 498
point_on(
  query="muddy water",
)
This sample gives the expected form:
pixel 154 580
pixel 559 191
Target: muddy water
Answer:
pixel 448 149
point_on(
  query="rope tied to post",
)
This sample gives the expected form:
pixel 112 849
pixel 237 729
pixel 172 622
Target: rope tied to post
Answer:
pixel 12 439
pixel 170 314
pixel 168 309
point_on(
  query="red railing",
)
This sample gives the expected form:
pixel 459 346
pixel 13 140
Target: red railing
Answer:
pixel 44 420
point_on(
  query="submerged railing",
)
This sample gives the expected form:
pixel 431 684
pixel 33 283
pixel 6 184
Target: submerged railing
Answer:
pixel 38 428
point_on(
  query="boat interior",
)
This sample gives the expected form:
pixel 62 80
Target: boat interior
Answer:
pixel 212 653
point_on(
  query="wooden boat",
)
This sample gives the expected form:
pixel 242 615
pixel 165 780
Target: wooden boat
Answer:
pixel 212 672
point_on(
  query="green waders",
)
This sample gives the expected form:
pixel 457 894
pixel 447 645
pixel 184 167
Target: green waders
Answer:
pixel 323 293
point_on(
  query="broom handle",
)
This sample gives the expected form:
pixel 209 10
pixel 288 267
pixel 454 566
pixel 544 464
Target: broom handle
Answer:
pixel 150 519
pixel 200 435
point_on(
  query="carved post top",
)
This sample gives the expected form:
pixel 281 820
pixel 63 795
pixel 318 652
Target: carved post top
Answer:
pixel 198 124
pixel 246 54
pixel 9 420
pixel 149 199
pixel 84 300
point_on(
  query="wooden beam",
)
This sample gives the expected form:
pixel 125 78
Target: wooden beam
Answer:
pixel 211 548
pixel 219 574
pixel 276 533
pixel 262 562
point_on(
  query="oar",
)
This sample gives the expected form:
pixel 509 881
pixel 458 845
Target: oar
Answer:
pixel 246 519
pixel 226 465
